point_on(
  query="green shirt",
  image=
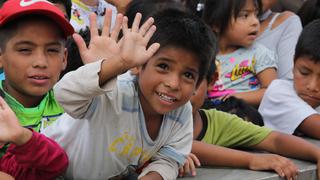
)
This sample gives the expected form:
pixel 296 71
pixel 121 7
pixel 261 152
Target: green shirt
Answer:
pixel 229 130
pixel 38 117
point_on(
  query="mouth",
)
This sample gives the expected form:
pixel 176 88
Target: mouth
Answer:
pixel 253 34
pixel 39 77
pixel 310 97
pixel 166 98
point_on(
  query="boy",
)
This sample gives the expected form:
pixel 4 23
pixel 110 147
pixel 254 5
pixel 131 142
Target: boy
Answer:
pixel 31 155
pixel 212 127
pixel 143 121
pixel 32 54
pixel 289 106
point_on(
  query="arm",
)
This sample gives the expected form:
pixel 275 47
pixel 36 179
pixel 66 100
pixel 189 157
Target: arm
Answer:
pixel 254 98
pixel 75 94
pixel 213 155
pixel 291 146
pixel 310 126
pixel 28 150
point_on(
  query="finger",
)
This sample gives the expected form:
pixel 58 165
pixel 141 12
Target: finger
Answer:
pixel 136 23
pixel 181 172
pixel 195 159
pixel 80 43
pixel 93 25
pixel 3 104
pixel 125 28
pixel 117 27
pixel 192 169
pixel 107 23
pixel 146 26
pixel 149 34
pixel 187 167
pixel 152 49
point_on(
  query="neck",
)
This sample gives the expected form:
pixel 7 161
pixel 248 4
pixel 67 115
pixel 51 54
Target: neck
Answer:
pixel 197 124
pixel 225 47
pixel 90 2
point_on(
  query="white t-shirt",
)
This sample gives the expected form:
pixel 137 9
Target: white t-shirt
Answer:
pixel 110 131
pixel 80 14
pixel 282 109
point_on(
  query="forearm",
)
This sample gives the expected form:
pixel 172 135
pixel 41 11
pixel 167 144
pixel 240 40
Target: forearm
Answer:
pixel 252 97
pixel 152 176
pixel 290 146
pixel 213 155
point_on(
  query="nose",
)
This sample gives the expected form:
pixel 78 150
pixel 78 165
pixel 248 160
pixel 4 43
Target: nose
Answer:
pixel 40 60
pixel 255 20
pixel 314 84
pixel 173 82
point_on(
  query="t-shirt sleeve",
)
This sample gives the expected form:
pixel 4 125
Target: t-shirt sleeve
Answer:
pixel 265 58
pixel 229 130
pixel 282 109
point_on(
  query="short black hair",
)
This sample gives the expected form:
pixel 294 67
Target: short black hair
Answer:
pixel 10 29
pixel 308 44
pixel 66 3
pixel 219 13
pixel 176 28
pixel 309 11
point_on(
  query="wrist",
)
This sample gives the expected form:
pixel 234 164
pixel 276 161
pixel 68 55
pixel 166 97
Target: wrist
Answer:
pixel 23 136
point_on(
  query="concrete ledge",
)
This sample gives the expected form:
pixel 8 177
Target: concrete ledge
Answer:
pixel 307 171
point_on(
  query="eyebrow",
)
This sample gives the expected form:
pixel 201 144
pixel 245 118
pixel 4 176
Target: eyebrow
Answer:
pixel 57 43
pixel 171 61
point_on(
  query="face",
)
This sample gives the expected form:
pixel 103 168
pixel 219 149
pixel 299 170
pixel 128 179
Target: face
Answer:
pixel 167 81
pixel 32 61
pixel 199 96
pixel 306 76
pixel 243 30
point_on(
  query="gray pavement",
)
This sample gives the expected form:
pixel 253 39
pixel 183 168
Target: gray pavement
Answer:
pixel 307 171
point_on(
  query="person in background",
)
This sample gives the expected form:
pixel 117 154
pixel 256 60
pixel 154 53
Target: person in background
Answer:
pixel 279 32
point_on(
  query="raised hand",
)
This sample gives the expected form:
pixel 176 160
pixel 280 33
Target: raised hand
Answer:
pixel 10 129
pixel 283 166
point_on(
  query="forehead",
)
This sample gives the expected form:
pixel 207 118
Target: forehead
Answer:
pixel 308 62
pixel 37 31
pixel 178 56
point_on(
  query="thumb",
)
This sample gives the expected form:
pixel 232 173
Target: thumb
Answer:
pixel 3 104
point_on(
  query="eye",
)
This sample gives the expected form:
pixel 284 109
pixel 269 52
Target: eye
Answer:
pixel 54 50
pixel 163 66
pixel 304 72
pixel 24 50
pixel 189 75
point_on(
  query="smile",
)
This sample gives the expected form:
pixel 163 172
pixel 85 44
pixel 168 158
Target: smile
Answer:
pixel 166 98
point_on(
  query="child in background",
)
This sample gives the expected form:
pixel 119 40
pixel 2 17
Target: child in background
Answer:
pixel 32 55
pixel 30 155
pixel 213 127
pixel 246 68
pixel 289 106
pixel 279 32
pixel 142 121
pixel 64 6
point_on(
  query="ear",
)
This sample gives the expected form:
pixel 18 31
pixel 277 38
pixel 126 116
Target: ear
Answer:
pixel 1 61
pixel 65 59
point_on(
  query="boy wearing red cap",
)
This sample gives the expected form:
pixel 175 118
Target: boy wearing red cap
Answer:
pixel 32 54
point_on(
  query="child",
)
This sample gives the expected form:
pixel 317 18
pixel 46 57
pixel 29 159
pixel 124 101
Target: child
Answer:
pixel 246 68
pixel 279 32
pixel 32 55
pixel 31 155
pixel 212 127
pixel 289 106
pixel 142 121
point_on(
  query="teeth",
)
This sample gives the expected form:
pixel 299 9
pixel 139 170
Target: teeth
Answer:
pixel 36 77
pixel 166 98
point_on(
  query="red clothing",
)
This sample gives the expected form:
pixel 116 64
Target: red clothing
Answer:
pixel 40 158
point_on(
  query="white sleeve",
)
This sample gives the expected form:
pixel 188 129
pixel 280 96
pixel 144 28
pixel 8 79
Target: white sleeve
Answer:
pixel 282 109
pixel 76 90
pixel 168 159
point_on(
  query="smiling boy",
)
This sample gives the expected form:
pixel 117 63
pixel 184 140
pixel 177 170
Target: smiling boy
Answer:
pixel 290 106
pixel 32 54
pixel 143 121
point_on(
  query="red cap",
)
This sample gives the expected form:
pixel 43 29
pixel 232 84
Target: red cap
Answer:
pixel 12 9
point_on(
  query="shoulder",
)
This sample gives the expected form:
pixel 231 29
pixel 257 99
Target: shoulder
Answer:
pixel 285 16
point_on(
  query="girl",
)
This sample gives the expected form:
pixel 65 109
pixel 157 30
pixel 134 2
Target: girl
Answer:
pixel 246 69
